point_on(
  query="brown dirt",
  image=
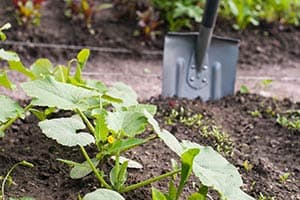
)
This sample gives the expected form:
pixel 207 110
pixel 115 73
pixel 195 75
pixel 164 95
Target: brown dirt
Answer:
pixel 270 148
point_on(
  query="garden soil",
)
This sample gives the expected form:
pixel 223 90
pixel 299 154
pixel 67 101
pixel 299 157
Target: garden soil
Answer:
pixel 270 149
pixel 267 52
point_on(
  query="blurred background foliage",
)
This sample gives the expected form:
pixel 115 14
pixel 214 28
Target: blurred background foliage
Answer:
pixel 180 14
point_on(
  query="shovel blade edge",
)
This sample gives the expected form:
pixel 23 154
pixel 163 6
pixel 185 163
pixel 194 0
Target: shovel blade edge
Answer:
pixel 181 47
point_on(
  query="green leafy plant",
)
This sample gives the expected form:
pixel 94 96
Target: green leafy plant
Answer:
pixel 181 13
pixel 255 11
pixel 84 10
pixel 28 11
pixel 110 119
pixel 8 178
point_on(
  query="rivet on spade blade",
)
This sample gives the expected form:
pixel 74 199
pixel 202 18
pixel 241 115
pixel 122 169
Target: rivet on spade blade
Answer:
pixel 193 66
pixel 205 67
pixel 204 80
pixel 192 78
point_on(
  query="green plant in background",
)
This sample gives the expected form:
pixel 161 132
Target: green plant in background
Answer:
pixel 148 22
pixel 182 13
pixel 179 14
pixel 28 11
pixel 7 180
pixel 84 10
pixel 254 11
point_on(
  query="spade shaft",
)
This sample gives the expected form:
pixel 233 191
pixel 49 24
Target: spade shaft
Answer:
pixel 205 32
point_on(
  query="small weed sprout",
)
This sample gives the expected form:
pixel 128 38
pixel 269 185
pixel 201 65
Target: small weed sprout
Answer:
pixel 256 113
pixel 247 166
pixel 244 89
pixel 263 197
pixel 206 128
pixel 289 120
pixel 284 177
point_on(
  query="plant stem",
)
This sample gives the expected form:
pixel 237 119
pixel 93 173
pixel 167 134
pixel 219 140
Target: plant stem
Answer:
pixel 149 181
pixel 88 123
pixel 92 166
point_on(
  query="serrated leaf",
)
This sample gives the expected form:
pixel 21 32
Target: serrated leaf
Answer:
pixel 157 195
pixel 82 169
pixel 130 123
pixel 5 82
pixel 64 131
pixel 51 93
pixel 215 171
pixel 19 67
pixel 123 92
pixel 11 109
pixel 103 194
pixel 41 68
pixel 8 55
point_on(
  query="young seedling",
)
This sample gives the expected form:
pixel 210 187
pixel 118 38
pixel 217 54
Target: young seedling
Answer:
pixel 256 114
pixel 244 89
pixel 84 10
pixel 284 177
pixel 247 166
pixel 289 120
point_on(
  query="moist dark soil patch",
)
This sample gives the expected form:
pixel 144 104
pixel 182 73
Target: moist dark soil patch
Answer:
pixel 270 148
pixel 267 44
